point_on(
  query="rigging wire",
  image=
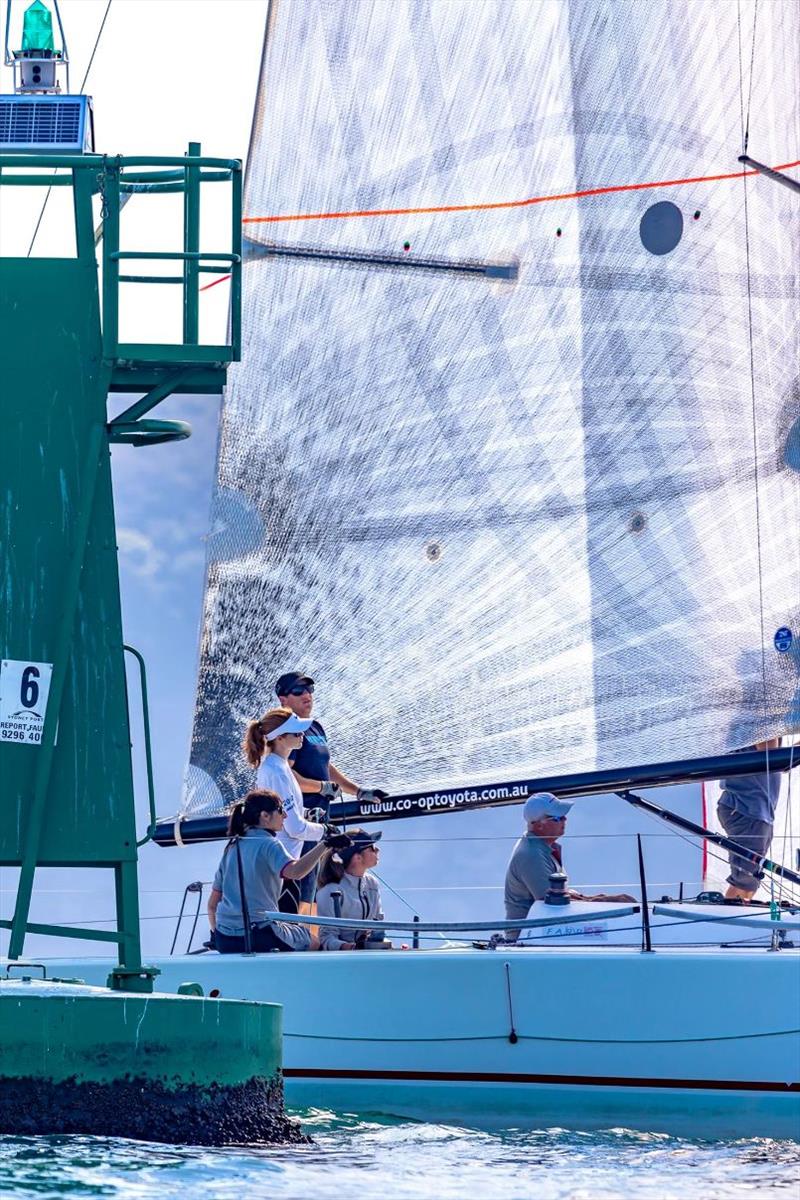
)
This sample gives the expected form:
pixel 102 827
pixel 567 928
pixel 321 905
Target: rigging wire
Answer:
pixel 80 93
pixel 745 123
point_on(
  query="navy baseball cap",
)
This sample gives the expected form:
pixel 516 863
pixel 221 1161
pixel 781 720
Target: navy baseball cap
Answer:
pixel 289 680
pixel 358 843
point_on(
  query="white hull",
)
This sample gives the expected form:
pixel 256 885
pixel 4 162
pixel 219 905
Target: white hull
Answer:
pixel 705 1040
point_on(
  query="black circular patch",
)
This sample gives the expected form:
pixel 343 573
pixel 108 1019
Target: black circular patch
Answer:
pixel 433 551
pixel 637 522
pixel 661 227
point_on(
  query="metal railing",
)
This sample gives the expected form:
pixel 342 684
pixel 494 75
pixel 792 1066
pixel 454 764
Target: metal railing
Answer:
pixel 115 178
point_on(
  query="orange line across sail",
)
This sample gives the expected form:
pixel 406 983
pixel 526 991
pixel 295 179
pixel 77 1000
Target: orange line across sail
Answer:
pixel 452 208
pixel 498 204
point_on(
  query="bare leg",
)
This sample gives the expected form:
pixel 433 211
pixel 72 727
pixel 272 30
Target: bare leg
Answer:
pixel 735 893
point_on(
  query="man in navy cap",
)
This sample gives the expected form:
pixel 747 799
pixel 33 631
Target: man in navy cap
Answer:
pixel 320 781
pixel 537 856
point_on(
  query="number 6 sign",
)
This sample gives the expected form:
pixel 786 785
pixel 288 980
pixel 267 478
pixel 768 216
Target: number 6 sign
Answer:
pixel 24 687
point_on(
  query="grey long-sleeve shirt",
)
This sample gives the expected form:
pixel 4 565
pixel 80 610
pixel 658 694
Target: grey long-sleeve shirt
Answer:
pixel 528 875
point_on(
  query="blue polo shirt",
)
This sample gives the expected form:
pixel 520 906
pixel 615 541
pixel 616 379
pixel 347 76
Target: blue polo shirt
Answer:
pixel 313 761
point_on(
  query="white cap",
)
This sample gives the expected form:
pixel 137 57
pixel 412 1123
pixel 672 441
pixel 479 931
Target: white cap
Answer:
pixel 292 724
pixel 545 804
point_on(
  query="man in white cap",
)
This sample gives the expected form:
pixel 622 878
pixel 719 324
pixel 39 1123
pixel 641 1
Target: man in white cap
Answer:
pixel 537 856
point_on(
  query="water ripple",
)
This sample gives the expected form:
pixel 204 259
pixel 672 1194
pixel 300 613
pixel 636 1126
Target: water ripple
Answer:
pixel 379 1158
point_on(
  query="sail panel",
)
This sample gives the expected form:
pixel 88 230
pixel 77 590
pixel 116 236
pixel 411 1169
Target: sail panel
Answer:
pixel 542 523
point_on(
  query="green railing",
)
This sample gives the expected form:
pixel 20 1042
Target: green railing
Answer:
pixel 115 179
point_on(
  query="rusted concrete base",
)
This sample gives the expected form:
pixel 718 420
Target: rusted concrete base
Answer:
pixel 217 1115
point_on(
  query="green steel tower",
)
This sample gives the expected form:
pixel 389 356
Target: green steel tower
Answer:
pixel 77 1059
pixel 66 781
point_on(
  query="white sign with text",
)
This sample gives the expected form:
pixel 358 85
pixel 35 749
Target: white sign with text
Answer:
pixel 24 688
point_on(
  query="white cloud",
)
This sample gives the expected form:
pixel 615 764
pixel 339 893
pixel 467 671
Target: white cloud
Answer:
pixel 139 553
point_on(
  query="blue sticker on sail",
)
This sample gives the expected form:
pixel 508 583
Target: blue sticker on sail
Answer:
pixel 783 639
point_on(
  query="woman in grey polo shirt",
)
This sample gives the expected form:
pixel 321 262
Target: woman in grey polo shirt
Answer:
pixel 255 856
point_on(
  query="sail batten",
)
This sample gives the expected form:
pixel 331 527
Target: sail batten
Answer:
pixel 512 526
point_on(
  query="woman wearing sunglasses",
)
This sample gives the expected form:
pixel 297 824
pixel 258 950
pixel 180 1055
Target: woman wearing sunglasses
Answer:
pixel 348 889
pixel 268 744
pixel 250 876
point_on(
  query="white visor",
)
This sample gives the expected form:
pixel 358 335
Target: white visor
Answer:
pixel 292 724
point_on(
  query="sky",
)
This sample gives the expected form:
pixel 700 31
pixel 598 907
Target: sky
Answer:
pixel 167 72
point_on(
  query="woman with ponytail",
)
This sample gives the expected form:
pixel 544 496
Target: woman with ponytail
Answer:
pixel 250 876
pixel 268 744
pixel 348 889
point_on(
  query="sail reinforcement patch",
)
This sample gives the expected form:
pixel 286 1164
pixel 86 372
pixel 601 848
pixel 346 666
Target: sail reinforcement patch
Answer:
pixel 661 227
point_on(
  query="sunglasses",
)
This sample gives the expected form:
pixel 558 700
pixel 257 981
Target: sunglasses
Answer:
pixel 301 689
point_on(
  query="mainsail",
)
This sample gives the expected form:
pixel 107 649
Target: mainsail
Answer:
pixel 511 462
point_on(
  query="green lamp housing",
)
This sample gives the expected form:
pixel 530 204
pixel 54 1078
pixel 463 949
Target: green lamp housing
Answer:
pixel 38 59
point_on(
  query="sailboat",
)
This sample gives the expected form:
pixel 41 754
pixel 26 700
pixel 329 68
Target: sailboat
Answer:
pixel 511 462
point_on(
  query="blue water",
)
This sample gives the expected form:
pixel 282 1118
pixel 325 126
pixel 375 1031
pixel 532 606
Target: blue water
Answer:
pixel 391 1159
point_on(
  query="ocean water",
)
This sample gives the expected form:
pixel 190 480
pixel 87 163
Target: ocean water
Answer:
pixel 372 1159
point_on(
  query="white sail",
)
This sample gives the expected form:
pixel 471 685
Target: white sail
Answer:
pixel 528 524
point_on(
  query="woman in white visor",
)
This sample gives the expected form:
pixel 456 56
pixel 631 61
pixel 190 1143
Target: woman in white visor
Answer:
pixel 267 745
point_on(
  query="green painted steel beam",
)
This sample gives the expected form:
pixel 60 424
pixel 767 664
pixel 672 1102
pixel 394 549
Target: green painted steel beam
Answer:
pixel 135 378
pixel 110 219
pixel 191 249
pixel 188 256
pixel 89 162
pixel 173 353
pixel 16 180
pixel 69 931
pixel 168 385
pixel 151 279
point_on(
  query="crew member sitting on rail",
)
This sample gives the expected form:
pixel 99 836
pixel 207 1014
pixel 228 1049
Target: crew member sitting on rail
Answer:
pixel 537 856
pixel 347 889
pixel 256 863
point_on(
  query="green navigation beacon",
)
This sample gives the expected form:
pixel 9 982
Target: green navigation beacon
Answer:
pixel 66 781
